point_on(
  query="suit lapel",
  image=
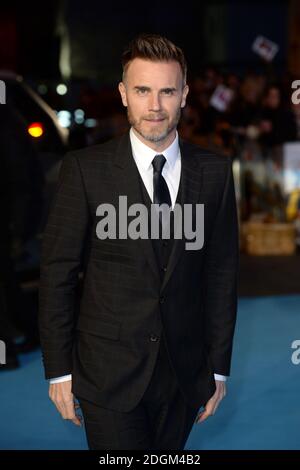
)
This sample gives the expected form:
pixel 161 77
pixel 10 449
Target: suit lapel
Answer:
pixel 126 181
pixel 191 182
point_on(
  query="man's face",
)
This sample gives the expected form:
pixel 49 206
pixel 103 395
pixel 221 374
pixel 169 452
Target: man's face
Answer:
pixel 154 94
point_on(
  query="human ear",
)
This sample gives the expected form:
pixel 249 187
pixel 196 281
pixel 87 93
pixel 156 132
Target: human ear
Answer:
pixel 123 94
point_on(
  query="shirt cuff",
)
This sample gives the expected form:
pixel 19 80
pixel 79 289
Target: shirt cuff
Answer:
pixel 223 378
pixel 63 378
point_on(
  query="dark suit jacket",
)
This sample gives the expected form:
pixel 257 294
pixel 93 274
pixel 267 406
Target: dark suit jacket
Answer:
pixel 125 308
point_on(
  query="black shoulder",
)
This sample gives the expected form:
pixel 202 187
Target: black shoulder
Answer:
pixel 206 155
pixel 98 152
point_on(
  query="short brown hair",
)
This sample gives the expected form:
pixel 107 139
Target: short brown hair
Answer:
pixel 156 48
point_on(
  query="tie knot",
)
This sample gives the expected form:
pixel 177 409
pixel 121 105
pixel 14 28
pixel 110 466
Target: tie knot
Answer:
pixel 158 163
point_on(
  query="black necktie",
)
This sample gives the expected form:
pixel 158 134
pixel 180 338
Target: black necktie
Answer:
pixel 161 192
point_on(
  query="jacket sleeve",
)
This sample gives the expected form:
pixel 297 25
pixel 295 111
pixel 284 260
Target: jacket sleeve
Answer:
pixel 61 256
pixel 220 279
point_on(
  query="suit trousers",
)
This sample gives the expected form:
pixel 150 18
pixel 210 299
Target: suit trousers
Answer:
pixel 162 420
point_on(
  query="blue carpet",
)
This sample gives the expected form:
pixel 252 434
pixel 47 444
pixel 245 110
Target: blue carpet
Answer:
pixel 261 409
pixel 29 420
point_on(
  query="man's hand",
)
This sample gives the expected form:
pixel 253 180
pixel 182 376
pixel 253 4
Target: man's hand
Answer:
pixel 213 403
pixel 63 398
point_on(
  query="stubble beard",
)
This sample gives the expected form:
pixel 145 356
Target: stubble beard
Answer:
pixel 154 136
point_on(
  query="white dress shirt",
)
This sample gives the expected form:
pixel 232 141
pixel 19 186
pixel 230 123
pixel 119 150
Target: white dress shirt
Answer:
pixel 143 156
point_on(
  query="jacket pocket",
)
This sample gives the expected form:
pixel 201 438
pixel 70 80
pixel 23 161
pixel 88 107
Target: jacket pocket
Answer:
pixel 99 326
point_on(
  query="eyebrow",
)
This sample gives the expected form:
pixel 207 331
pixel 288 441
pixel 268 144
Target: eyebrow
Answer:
pixel 141 87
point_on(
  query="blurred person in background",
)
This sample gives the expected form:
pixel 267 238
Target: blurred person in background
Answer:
pixel 246 105
pixel 276 122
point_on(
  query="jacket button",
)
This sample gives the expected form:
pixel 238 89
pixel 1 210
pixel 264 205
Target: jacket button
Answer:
pixel 154 338
pixel 165 243
pixel 164 268
pixel 161 300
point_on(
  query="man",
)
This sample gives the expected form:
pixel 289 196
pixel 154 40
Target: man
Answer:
pixel 156 320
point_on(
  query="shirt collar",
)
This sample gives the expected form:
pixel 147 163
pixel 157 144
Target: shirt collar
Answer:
pixel 145 154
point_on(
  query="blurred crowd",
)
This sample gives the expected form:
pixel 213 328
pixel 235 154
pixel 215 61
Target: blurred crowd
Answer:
pixel 260 108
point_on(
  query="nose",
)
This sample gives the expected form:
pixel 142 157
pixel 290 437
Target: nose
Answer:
pixel 154 102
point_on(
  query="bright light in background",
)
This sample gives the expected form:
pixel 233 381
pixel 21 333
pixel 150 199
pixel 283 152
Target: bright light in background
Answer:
pixel 64 118
pixel 79 116
pixel 63 31
pixel 61 89
pixel 90 123
pixel 35 129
